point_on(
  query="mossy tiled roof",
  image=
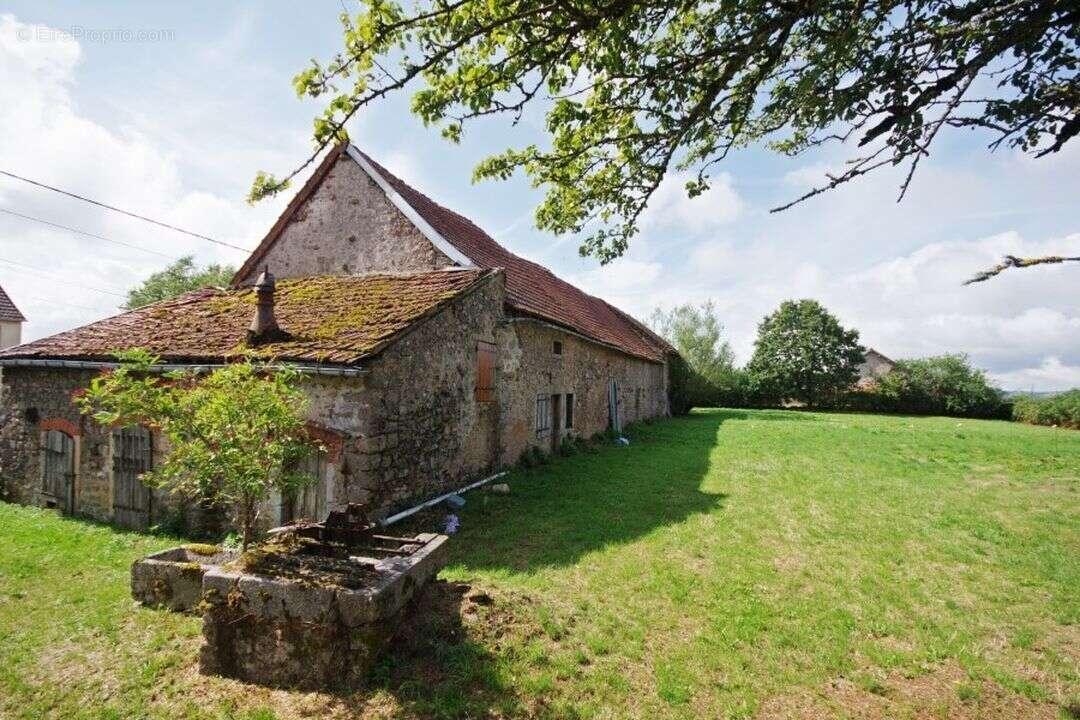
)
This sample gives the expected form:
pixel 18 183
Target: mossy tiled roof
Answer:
pixel 329 319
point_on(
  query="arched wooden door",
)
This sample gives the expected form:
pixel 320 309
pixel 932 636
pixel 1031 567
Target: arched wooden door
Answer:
pixel 58 477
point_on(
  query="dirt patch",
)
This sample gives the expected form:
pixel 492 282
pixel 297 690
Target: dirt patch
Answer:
pixel 945 692
pixel 306 561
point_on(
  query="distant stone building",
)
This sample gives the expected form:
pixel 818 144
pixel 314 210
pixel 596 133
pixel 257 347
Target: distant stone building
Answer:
pixel 434 356
pixel 11 321
pixel 874 367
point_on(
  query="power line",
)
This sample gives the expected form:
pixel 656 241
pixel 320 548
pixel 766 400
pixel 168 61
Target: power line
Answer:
pixel 53 301
pixel 31 268
pixel 123 212
pixel 84 232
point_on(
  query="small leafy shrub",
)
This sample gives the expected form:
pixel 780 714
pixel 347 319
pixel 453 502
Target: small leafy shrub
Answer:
pixel 533 457
pixel 571 445
pixel 1062 410
pixel 172 522
pixel 942 385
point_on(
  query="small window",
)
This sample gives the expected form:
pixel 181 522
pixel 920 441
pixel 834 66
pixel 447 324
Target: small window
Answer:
pixel 569 410
pixel 637 398
pixel 543 414
pixel 485 371
pixel 556 347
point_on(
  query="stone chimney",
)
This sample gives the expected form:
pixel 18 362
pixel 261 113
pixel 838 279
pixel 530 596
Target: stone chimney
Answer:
pixel 264 327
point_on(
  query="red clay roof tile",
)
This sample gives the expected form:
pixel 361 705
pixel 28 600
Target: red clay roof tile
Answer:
pixel 532 289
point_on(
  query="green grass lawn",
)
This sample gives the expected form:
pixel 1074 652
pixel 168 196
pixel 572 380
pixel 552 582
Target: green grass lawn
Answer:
pixel 729 564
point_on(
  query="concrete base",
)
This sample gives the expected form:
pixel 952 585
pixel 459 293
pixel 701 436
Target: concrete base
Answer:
pixel 173 578
pixel 310 631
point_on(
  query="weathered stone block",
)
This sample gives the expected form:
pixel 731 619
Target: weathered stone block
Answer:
pixel 173 578
pixel 306 629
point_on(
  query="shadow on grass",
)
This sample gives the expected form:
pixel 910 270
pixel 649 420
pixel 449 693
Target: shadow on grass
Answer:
pixel 439 664
pixel 606 496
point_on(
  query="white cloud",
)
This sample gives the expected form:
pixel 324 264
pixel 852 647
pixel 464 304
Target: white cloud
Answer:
pixel 1052 374
pixel 670 207
pixel 623 278
pixel 46 138
pixel 908 306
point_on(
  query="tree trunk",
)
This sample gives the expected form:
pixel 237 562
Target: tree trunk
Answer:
pixel 246 522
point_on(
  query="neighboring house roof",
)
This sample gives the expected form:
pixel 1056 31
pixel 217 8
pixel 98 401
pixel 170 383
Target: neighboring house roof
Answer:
pixel 872 355
pixel 873 367
pixel 8 311
pixel 331 319
pixel 531 289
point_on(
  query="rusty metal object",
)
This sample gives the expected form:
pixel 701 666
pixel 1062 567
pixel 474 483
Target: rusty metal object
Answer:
pixel 352 528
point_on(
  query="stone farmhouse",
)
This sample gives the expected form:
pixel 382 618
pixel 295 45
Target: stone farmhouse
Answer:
pixel 433 357
pixel 873 367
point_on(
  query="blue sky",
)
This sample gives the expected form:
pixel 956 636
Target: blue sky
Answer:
pixel 176 122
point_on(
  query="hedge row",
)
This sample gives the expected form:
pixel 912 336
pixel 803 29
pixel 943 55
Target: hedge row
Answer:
pixel 1062 410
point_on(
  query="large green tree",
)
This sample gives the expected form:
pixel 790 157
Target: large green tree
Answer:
pixel 633 90
pixel 180 277
pixel 802 352
pixel 705 375
pixel 234 435
pixel 697 333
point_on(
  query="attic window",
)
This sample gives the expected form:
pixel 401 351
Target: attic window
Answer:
pixel 556 347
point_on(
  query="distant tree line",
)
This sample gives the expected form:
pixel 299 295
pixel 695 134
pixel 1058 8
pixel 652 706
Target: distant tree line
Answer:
pixel 804 357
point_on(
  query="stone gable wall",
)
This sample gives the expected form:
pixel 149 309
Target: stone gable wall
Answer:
pixel 349 227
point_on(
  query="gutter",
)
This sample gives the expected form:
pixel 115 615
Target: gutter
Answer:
pixel 436 500
pixel 327 370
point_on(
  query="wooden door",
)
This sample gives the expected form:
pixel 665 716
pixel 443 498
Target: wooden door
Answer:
pixel 133 454
pixel 58 478
pixel 309 502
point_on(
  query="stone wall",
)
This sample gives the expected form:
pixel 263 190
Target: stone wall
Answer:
pixel 36 399
pixel 529 367
pixel 423 433
pixel 347 227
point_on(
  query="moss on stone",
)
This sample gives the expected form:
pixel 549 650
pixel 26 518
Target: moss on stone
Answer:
pixel 203 548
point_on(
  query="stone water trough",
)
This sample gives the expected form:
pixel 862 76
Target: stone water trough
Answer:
pixel 314 607
pixel 173 578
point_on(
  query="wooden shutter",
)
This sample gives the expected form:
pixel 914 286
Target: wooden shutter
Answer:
pixel 485 371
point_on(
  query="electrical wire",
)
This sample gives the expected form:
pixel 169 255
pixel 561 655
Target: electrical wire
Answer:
pixel 119 210
pixel 84 232
pixel 39 271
